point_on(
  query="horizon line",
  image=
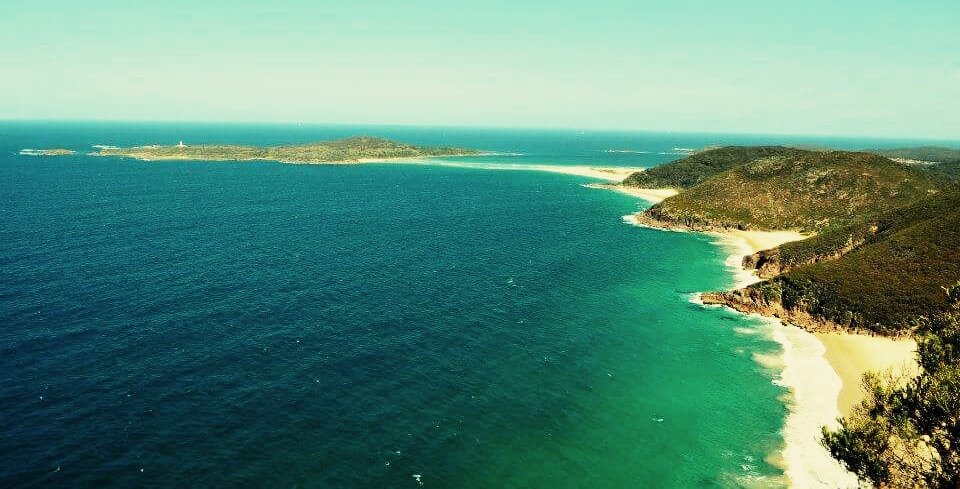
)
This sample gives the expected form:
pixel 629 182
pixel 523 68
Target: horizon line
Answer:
pixel 483 126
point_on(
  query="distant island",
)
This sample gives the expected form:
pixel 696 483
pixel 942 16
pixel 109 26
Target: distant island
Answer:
pixel 882 256
pixel 357 149
pixel 47 152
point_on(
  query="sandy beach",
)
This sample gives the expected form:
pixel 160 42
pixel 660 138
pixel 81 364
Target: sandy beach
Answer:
pixel 747 243
pixel 610 174
pixel 613 174
pixel 823 371
pixel 651 195
pixel 765 240
pixel 852 355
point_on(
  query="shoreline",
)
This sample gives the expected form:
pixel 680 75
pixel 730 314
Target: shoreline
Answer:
pixel 821 371
pixel 652 195
pixel 814 383
pixel 614 174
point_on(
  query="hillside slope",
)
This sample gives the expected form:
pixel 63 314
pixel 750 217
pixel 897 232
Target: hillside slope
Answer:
pixel 806 191
pixel 691 170
pixel 941 163
pixel 896 275
pixel 885 238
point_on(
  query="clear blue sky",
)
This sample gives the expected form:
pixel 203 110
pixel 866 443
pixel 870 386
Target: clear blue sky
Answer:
pixel 872 68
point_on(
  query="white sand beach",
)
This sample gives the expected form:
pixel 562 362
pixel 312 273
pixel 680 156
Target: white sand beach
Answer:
pixel 613 174
pixel 823 372
pixel 651 195
pixel 743 243
pixel 811 404
pixel 852 355
pixel 610 174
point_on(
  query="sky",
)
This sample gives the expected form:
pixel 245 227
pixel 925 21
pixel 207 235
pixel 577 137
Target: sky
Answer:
pixel 857 68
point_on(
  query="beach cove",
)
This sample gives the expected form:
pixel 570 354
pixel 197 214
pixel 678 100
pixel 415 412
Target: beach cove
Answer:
pixel 823 370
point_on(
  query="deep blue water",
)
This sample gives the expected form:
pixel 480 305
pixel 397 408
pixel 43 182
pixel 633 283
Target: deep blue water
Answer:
pixel 258 324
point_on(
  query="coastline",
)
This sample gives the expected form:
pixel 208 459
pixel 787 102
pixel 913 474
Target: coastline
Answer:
pixel 652 195
pixel 849 354
pixel 822 371
pixel 813 382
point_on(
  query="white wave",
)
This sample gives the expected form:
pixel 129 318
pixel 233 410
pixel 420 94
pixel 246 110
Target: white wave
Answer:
pixel 627 151
pixel 745 331
pixel 814 387
pixel 737 248
pixel 695 298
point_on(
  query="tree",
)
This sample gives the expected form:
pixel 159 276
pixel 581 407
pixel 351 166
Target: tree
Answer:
pixel 907 434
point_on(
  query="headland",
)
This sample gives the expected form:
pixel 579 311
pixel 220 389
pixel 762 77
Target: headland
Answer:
pixel 851 250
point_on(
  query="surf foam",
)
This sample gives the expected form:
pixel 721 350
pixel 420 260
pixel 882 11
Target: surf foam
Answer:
pixel 814 387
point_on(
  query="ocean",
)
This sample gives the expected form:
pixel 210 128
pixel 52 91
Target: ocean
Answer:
pixel 181 323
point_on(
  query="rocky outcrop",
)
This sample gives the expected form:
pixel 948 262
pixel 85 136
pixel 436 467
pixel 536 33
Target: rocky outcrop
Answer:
pixel 770 263
pixel 652 218
pixel 752 301
pixel 766 263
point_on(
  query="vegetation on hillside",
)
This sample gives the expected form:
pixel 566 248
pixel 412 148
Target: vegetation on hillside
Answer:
pixel 693 169
pixel 908 434
pixel 342 150
pixel 886 234
pixel 941 163
pixel 794 189
pixel 883 284
pixel 934 154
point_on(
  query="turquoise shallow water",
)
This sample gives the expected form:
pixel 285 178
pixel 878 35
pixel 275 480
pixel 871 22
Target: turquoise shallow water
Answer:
pixel 258 324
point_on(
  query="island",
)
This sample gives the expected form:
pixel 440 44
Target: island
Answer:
pixel 358 149
pixel 881 257
pixel 47 152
